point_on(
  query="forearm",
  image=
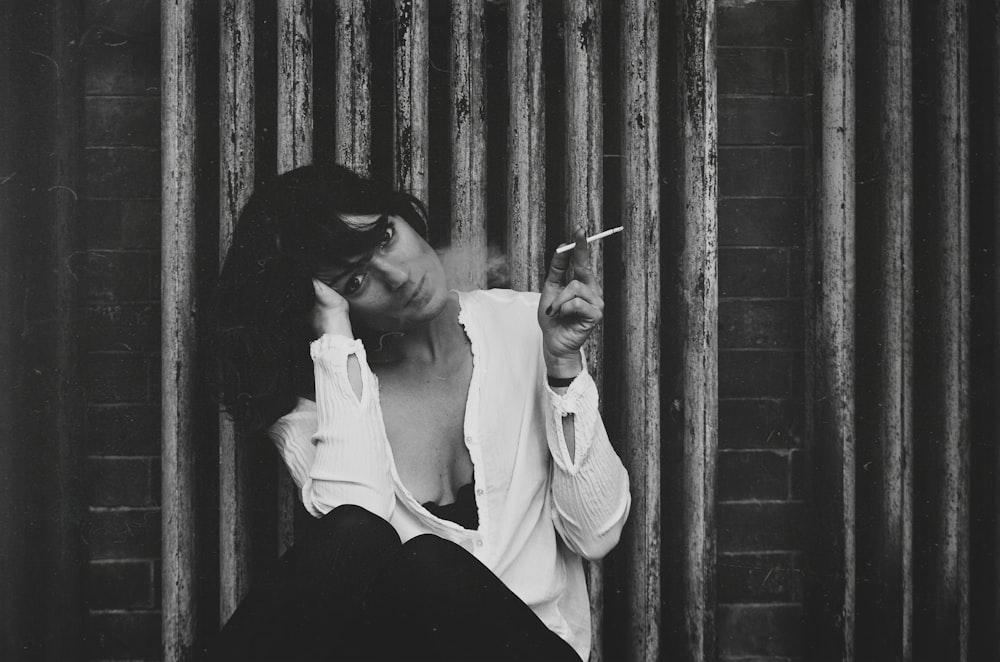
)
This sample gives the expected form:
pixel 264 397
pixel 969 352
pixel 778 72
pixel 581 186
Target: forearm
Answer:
pixel 590 485
pixel 351 463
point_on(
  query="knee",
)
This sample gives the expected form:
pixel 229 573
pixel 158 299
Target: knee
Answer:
pixel 431 556
pixel 353 523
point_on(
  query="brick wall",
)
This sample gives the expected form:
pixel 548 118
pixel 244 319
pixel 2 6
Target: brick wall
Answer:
pixel 120 214
pixel 762 211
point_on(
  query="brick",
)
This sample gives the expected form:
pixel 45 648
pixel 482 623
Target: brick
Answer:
pixel 777 577
pixel 120 585
pixel 796 71
pixel 761 171
pixel 754 374
pixel 100 221
pixel 746 475
pixel 120 482
pixel 123 430
pixel 122 172
pixel 752 71
pixel 761 121
pixel 121 70
pixel 128 327
pixel 766 630
pixel 753 272
pixel 140 219
pixel 763 324
pixel 124 534
pixel 761 222
pixel 760 527
pixel 761 423
pixel 113 377
pixel 797 486
pixel 112 275
pixel 761 24
pixel 125 224
pixel 133 121
pixel 796 273
pixel 124 635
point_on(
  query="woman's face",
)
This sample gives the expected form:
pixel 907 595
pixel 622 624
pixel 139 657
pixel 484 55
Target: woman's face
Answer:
pixel 398 285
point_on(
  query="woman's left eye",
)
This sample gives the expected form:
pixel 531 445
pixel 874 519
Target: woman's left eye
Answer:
pixel 387 236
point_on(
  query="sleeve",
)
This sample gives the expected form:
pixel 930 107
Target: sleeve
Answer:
pixel 590 492
pixel 352 464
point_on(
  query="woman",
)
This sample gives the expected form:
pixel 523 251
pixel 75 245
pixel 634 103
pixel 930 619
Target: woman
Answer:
pixel 450 442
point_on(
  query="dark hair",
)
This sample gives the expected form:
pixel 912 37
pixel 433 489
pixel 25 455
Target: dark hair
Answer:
pixel 259 319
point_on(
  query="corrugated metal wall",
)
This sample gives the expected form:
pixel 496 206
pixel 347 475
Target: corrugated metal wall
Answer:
pixel 888 394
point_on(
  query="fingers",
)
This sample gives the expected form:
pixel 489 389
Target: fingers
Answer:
pixel 580 309
pixel 557 270
pixel 326 296
pixel 576 290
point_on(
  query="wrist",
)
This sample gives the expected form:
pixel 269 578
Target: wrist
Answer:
pixel 563 367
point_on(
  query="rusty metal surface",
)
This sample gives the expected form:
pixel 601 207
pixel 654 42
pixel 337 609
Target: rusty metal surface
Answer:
pixel 353 82
pixel 178 329
pixel 885 406
pixel 641 334
pixel 295 148
pixel 941 421
pixel 411 128
pixel 700 309
pixel 830 398
pixel 526 147
pixel 295 84
pixel 236 177
pixel 466 261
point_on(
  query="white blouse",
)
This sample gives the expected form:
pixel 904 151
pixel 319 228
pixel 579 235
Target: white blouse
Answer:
pixel 540 510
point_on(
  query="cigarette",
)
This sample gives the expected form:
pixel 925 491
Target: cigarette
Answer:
pixel 599 235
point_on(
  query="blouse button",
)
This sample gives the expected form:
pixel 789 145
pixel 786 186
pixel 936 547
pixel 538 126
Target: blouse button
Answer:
pixel 479 542
pixel 479 491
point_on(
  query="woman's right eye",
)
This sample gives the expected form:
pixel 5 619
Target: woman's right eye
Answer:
pixel 354 283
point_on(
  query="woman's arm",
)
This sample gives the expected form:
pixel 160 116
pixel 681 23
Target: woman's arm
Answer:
pixel 590 485
pixel 350 460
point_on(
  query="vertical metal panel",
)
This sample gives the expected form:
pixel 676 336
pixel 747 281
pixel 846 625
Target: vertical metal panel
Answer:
pixel 700 311
pixel 295 148
pixel 996 313
pixel 584 186
pixel 830 402
pixel 526 146
pixel 641 328
pixel 236 176
pixel 13 578
pixel 411 122
pixel 941 439
pixel 295 84
pixel 885 356
pixel 177 33
pixel 64 571
pixel 353 67
pixel 585 142
pixel 466 262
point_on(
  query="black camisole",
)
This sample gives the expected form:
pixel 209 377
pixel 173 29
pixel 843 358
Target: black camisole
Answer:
pixel 462 511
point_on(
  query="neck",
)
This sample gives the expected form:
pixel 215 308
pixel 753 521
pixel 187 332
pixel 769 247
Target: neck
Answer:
pixel 427 343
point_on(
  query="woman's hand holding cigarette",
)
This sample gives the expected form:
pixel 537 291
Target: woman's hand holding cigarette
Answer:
pixel 570 308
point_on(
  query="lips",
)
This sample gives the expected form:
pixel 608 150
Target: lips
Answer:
pixel 417 292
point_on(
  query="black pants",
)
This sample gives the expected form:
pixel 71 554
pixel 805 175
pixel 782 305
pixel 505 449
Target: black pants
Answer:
pixel 351 591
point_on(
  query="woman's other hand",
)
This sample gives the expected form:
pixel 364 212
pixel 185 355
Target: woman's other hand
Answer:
pixel 330 314
pixel 571 306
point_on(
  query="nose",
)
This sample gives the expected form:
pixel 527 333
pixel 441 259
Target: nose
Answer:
pixel 393 274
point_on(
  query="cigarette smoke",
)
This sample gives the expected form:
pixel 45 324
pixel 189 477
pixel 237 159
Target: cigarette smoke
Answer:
pixel 465 260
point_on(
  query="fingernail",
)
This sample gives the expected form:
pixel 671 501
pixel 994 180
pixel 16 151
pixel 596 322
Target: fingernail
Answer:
pixel 548 311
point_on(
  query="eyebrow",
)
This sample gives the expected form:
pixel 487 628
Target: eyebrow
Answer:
pixel 350 265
